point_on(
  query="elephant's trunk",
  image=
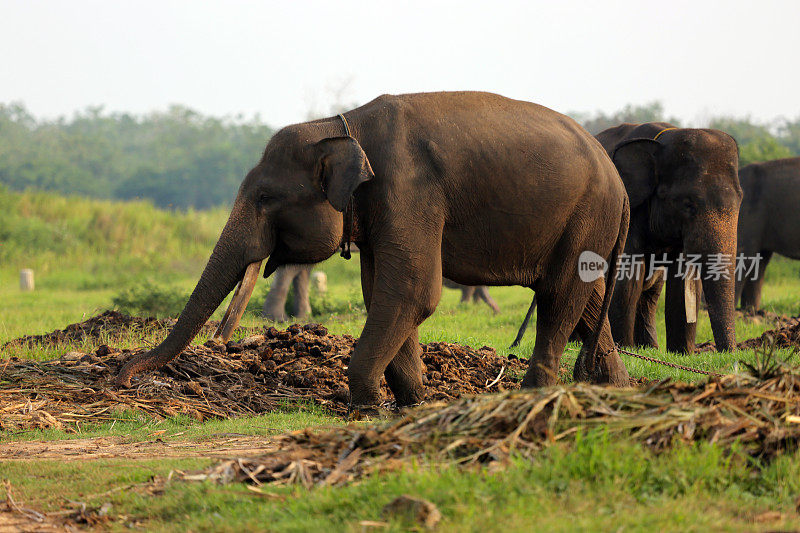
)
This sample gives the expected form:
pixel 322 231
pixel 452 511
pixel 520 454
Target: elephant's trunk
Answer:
pixel 227 265
pixel 716 243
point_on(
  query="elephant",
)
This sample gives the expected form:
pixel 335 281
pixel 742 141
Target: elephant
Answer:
pixel 480 188
pixel 768 222
pixel 298 277
pixel 473 293
pixel 684 195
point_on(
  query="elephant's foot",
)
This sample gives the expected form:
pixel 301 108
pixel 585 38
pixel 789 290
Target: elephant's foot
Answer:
pixel 409 395
pixel 580 373
pixel 610 370
pixel 406 386
pixel 538 375
pixel 275 316
pixel 365 391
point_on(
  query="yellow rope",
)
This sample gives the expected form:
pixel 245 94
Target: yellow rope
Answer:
pixel 662 131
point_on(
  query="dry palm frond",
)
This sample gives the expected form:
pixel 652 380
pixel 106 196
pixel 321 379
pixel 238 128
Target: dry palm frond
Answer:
pixel 762 415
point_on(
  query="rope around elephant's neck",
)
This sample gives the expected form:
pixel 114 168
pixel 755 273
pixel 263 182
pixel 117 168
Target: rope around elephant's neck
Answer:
pixel 347 229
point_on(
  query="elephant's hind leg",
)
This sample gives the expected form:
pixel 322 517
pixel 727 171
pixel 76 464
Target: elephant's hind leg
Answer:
pixel 561 305
pixel 606 367
pixel 467 293
pixel 482 292
pixel 275 302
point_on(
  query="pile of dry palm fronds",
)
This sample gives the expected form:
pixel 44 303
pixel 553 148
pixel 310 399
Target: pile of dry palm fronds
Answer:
pixel 59 394
pixel 761 413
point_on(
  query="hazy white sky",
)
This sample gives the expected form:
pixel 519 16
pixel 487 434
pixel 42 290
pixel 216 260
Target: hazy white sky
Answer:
pixel 699 58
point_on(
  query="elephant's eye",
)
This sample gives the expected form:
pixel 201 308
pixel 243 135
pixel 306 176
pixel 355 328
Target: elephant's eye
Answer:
pixel 265 199
pixel 688 207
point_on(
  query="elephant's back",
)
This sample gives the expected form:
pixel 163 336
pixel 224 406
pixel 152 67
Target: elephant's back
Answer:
pixel 512 178
pixel 499 137
pixel 609 138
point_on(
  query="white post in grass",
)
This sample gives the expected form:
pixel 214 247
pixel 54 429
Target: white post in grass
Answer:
pixel 320 282
pixel 26 279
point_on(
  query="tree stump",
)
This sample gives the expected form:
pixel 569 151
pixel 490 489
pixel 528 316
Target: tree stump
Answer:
pixel 26 279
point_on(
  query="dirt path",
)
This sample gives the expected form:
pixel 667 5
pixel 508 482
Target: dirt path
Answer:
pixel 12 522
pixel 222 445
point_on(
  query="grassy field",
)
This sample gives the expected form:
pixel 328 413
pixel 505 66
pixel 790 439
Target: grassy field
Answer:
pixel 85 253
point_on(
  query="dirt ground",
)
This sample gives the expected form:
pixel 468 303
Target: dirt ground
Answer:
pixel 222 445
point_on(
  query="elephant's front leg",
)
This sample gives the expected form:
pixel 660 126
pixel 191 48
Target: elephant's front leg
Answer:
pixel 402 293
pixel 404 373
pixel 680 333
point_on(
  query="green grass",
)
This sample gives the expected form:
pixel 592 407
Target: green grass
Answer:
pixel 595 485
pixel 86 252
pixel 135 426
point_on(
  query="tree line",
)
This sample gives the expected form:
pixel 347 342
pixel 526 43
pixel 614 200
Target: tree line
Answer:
pixel 177 158
pixel 181 159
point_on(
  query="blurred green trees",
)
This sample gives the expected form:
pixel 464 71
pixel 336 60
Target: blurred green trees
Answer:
pixel 176 158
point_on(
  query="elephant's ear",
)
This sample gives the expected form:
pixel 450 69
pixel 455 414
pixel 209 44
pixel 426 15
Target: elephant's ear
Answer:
pixel 342 166
pixel 635 160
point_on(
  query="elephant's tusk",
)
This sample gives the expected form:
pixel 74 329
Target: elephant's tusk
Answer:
pixel 690 295
pixel 238 303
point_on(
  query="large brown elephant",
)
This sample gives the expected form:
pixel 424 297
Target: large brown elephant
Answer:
pixel 475 186
pixel 769 222
pixel 684 195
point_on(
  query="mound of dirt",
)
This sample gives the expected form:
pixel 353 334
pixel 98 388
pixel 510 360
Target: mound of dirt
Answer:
pixel 107 327
pixel 110 324
pixel 255 375
pixel 786 335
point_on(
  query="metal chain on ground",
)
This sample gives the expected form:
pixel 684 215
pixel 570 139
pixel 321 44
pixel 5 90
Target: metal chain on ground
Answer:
pixel 667 363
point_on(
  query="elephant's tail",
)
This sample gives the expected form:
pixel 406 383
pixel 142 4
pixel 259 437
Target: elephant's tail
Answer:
pixel 524 325
pixel 611 276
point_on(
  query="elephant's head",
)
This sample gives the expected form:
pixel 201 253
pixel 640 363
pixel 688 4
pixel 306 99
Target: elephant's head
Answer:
pixel 685 185
pixel 289 209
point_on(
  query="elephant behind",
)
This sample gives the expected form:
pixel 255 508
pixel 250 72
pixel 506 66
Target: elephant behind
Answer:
pixel 297 276
pixel 473 186
pixel 769 222
pixel 684 194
